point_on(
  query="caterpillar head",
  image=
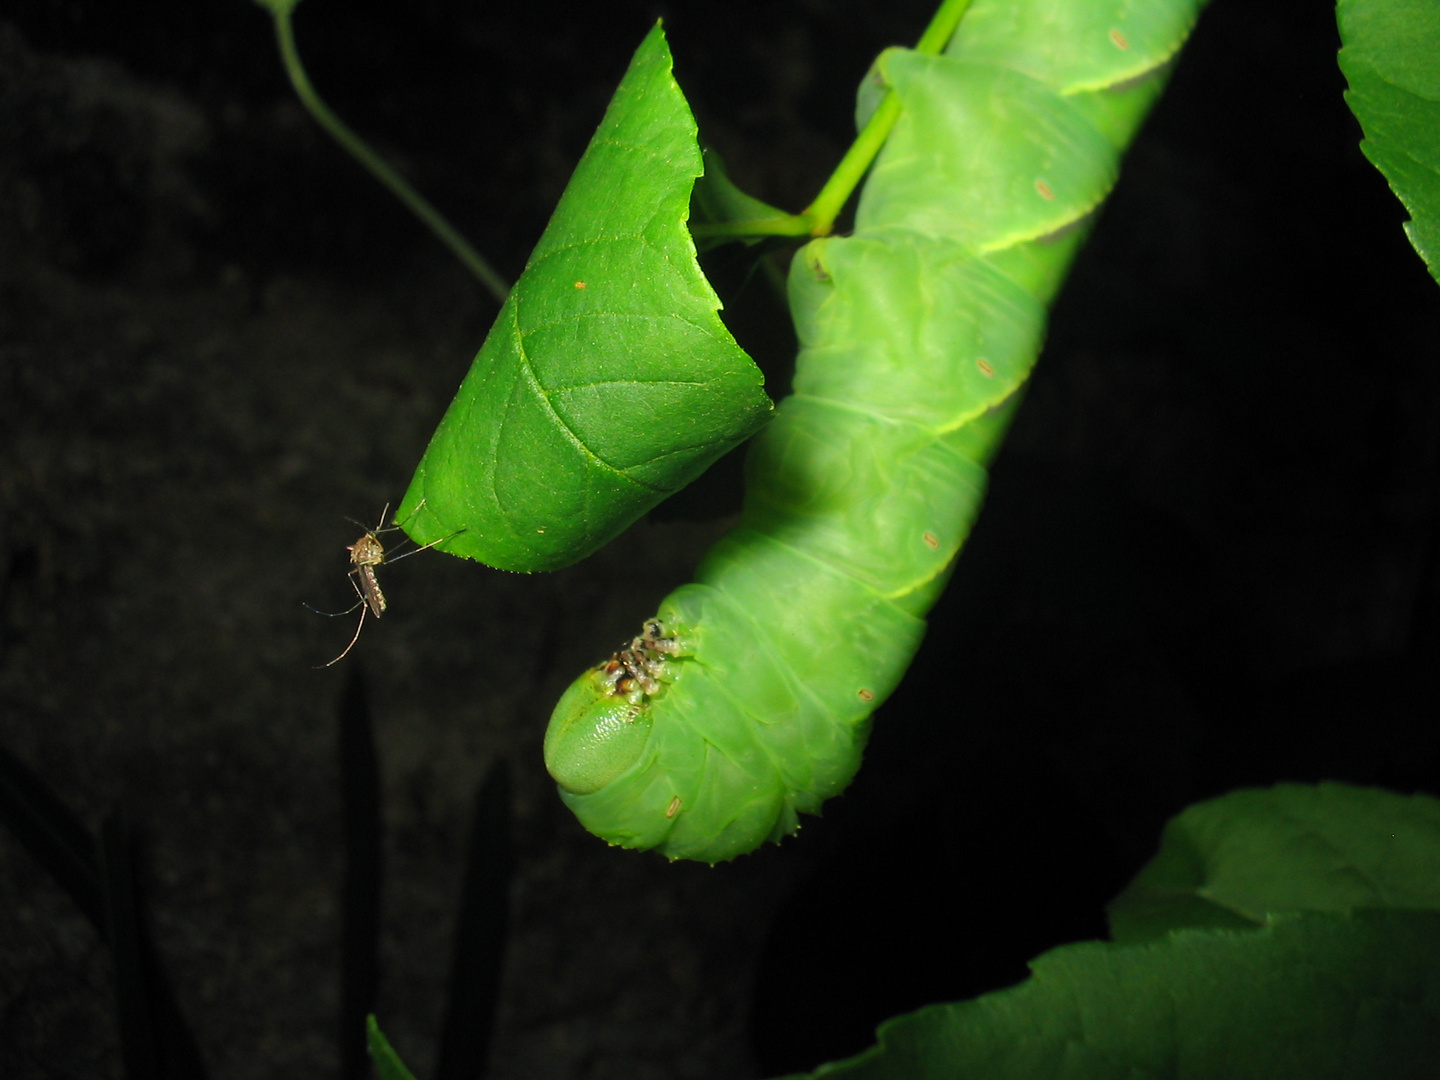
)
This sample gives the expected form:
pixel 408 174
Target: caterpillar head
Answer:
pixel 600 727
pixel 596 733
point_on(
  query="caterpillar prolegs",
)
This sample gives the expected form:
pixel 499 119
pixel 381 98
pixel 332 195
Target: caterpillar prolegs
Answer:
pixel 747 700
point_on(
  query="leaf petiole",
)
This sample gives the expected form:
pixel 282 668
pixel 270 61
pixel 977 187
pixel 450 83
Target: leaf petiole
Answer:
pixel 818 218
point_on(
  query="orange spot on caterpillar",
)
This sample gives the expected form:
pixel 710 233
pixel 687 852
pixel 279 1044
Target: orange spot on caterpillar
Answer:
pixel 580 284
pixel 986 368
pixel 673 808
pixel 1046 192
pixel 931 541
pixel 1119 39
pixel 867 695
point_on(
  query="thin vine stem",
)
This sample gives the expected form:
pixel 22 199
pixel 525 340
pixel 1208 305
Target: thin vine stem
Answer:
pixel 418 204
pixel 818 218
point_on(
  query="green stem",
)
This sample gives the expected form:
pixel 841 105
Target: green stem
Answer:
pixel 861 155
pixel 818 218
pixel 419 206
pixel 853 166
pixel 942 27
pixel 786 225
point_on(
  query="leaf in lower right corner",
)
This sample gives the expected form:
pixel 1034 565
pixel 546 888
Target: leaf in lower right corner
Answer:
pixel 1322 996
pixel 1237 860
pixel 388 1065
pixel 1391 59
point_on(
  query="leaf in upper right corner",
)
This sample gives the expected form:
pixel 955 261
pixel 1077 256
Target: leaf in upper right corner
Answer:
pixel 1238 860
pixel 1391 59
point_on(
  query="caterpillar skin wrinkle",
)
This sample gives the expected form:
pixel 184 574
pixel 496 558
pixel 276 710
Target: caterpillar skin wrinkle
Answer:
pixel 747 700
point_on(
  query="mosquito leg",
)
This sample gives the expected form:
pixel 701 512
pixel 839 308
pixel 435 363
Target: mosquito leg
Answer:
pixel 336 614
pixel 333 614
pixel 397 524
pixel 358 627
pixel 426 547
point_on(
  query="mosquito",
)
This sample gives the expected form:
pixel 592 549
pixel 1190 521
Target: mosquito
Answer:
pixel 365 555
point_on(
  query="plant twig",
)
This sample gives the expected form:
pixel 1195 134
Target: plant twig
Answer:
pixel 418 204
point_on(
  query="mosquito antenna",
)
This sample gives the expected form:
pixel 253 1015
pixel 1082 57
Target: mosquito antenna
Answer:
pixel 378 528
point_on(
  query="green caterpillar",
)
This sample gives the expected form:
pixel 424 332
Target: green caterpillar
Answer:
pixel 746 700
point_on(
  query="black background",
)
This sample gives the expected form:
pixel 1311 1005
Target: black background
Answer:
pixel 1208 559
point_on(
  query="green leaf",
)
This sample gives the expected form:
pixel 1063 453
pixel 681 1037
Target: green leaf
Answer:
pixel 608 381
pixel 1391 59
pixel 1329 967
pixel 1241 858
pixel 1313 997
pixel 388 1065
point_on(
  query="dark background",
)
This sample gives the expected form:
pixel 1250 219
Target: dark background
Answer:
pixel 1208 559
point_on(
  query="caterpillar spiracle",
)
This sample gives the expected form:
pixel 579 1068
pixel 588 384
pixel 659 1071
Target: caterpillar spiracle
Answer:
pixel 747 699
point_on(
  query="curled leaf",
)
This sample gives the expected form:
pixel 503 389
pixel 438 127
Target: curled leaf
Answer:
pixel 608 381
